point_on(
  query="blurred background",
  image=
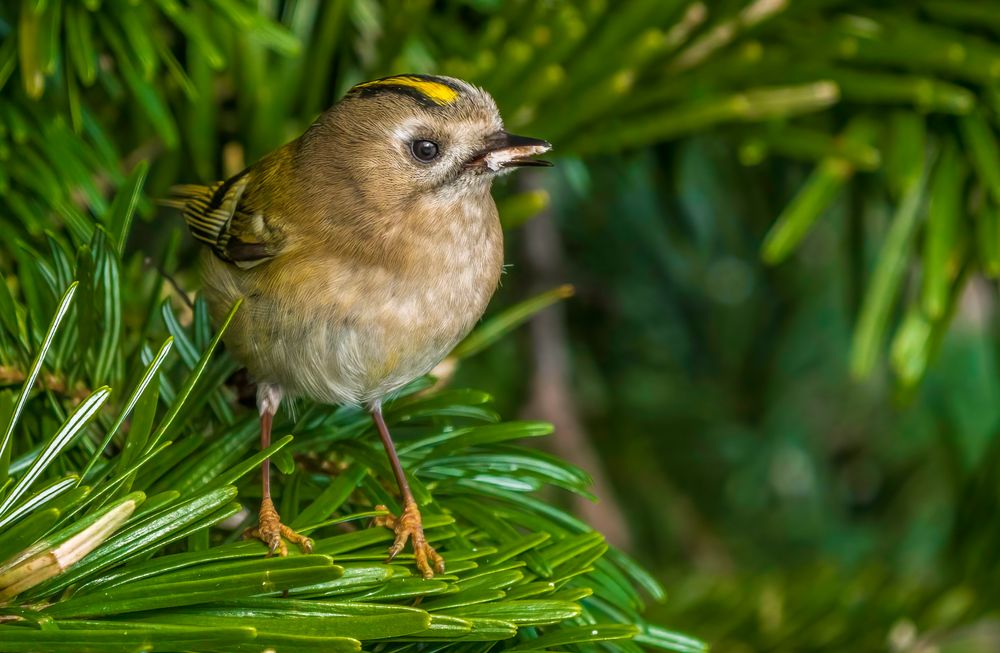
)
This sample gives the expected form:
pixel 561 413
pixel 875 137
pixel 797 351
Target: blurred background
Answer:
pixel 779 220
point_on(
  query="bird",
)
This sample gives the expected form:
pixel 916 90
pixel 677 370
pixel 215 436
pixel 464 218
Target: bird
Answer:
pixel 362 252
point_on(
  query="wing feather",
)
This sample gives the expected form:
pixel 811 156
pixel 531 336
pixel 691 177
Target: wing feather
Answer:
pixel 223 217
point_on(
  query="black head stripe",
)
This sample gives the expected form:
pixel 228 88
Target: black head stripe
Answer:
pixel 428 90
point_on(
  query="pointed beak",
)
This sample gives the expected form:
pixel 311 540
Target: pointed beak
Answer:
pixel 504 151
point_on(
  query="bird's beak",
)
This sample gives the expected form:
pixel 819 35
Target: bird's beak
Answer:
pixel 505 151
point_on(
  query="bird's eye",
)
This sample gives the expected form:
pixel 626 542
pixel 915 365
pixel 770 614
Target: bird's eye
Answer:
pixel 424 150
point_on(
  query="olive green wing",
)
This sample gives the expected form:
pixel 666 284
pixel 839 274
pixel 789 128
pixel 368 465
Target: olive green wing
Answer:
pixel 225 217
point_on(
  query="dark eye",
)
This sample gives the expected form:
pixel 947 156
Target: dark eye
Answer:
pixel 424 150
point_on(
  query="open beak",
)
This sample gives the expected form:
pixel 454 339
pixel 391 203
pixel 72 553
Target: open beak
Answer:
pixel 504 151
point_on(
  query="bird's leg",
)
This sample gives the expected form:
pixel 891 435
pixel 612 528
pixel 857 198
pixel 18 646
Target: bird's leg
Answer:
pixel 269 528
pixel 409 524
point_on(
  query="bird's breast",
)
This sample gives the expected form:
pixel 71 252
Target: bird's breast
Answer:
pixel 343 329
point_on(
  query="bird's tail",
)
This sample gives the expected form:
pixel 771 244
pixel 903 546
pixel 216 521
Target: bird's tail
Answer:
pixel 184 194
pixel 199 205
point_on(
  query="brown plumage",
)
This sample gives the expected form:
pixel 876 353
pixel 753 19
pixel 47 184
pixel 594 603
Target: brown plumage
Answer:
pixel 363 252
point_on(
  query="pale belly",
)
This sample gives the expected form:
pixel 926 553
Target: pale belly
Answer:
pixel 356 337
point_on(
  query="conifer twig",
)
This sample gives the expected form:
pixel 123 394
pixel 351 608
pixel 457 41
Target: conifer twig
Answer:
pixel 10 375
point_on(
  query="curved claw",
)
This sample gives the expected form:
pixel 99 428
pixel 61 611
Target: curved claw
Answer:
pixel 273 533
pixel 407 525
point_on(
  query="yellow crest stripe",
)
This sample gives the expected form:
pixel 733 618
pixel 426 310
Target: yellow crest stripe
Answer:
pixel 436 92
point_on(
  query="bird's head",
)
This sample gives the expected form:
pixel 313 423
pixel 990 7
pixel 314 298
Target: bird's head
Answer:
pixel 416 134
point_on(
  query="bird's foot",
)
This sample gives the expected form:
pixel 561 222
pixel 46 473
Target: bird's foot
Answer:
pixel 410 525
pixel 273 533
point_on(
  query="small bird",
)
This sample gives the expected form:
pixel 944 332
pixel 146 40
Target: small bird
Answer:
pixel 363 251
